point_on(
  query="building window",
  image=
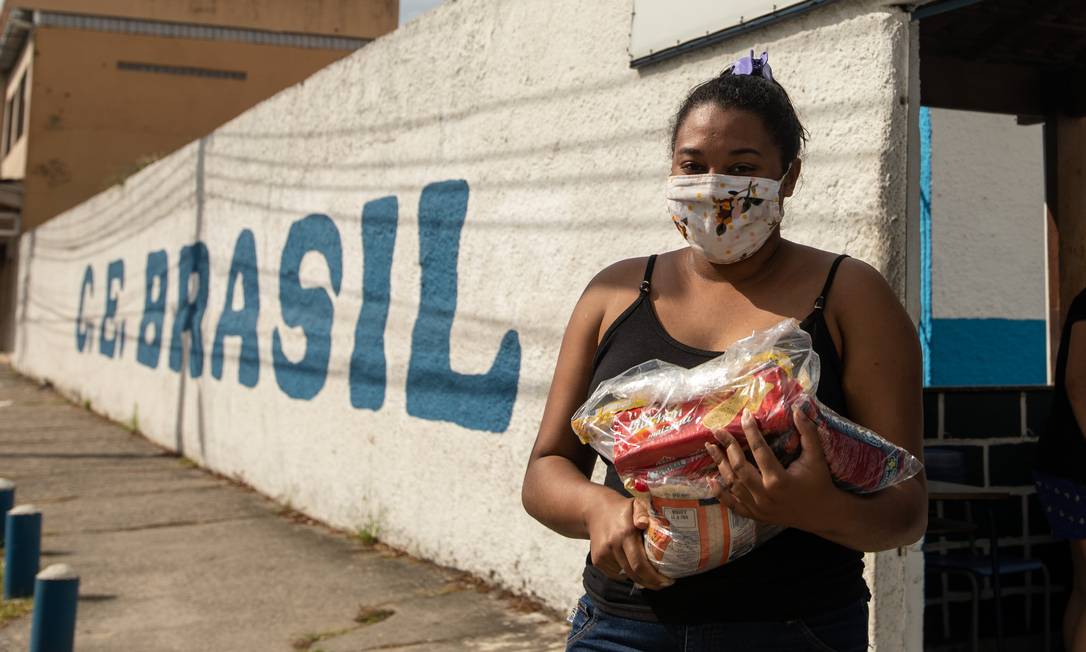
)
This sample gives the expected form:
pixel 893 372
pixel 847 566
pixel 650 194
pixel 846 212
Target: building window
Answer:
pixel 188 71
pixel 20 108
pixel 8 108
pixel 15 115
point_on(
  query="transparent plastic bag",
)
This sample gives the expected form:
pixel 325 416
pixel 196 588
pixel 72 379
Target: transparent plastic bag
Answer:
pixel 652 423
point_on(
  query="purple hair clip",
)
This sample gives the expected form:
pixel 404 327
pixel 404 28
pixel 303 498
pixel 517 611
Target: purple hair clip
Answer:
pixel 756 67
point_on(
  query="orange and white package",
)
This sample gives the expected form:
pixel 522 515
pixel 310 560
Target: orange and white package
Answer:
pixel 690 536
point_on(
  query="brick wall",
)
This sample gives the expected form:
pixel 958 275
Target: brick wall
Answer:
pixel 993 432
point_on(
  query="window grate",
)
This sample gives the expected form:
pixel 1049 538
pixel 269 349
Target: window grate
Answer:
pixel 189 71
pixel 190 31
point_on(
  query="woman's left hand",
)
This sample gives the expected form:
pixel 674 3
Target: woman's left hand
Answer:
pixel 800 496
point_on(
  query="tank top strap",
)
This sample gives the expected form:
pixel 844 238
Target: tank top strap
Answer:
pixel 820 302
pixel 635 310
pixel 646 283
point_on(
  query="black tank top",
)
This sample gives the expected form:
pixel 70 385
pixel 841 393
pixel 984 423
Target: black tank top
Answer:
pixel 1062 449
pixel 793 575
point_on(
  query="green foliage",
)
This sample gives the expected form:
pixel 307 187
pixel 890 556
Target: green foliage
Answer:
pixel 372 615
pixel 134 422
pixel 306 640
pixel 368 533
pixel 12 609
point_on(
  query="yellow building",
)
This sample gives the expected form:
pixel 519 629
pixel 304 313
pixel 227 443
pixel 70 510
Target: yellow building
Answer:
pixel 94 89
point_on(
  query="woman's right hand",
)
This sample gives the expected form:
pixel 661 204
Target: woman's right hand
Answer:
pixel 616 529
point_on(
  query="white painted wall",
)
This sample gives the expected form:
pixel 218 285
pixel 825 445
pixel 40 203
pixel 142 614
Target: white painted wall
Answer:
pixel 988 230
pixel 564 148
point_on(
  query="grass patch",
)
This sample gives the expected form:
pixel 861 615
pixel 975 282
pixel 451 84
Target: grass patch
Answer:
pixel 365 616
pixel 372 615
pixel 134 421
pixel 12 609
pixel 369 534
pixel 305 641
pixel 366 536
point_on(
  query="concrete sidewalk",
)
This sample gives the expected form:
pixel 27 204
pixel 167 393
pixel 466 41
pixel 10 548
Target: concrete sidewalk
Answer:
pixel 174 558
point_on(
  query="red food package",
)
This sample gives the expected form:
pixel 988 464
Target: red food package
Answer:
pixel 658 434
pixel 653 421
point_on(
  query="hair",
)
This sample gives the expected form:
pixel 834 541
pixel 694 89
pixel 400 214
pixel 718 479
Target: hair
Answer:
pixel 763 97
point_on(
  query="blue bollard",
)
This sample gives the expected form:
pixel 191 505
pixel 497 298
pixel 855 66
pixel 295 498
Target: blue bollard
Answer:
pixel 7 501
pixel 22 551
pixel 56 594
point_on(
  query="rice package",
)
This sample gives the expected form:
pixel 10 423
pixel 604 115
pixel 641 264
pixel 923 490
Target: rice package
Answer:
pixel 652 422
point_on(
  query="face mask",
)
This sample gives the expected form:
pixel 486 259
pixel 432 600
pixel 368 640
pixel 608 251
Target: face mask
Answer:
pixel 727 218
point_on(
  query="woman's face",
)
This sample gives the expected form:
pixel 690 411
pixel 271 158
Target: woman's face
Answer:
pixel 712 140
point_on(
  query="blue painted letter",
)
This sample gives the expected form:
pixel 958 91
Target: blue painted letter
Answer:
pixel 434 390
pixel 368 368
pixel 190 309
pixel 154 309
pixel 310 309
pixel 83 327
pixel 107 344
pixel 241 323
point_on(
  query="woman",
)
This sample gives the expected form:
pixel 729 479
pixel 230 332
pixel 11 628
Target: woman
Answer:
pixel 1061 465
pixel 804 588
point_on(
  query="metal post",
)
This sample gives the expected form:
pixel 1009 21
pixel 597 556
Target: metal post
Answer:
pixel 55 597
pixel 22 551
pixel 7 501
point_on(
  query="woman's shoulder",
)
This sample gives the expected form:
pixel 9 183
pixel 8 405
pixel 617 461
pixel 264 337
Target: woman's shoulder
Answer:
pixel 614 288
pixel 859 279
pixel 859 302
pixel 619 277
pixel 853 279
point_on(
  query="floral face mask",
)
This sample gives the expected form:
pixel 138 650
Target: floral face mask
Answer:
pixel 727 218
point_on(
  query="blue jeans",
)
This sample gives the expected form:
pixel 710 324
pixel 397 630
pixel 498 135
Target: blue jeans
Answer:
pixel 840 630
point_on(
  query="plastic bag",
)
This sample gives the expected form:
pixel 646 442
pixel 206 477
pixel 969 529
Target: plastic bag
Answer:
pixel 652 422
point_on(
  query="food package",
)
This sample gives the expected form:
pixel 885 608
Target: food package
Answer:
pixel 652 423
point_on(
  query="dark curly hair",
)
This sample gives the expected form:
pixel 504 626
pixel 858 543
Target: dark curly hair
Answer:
pixel 763 97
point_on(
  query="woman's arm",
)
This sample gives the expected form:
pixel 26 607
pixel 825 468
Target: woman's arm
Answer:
pixel 557 490
pixel 1075 376
pixel 882 385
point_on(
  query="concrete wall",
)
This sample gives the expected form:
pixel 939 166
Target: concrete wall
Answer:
pixel 988 250
pixel 393 249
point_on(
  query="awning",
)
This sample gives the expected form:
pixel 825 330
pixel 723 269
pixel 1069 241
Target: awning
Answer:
pixel 1021 57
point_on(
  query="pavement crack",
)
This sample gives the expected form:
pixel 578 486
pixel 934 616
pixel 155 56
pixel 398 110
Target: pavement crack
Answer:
pixel 151 492
pixel 72 456
pixel 158 526
pixel 54 500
